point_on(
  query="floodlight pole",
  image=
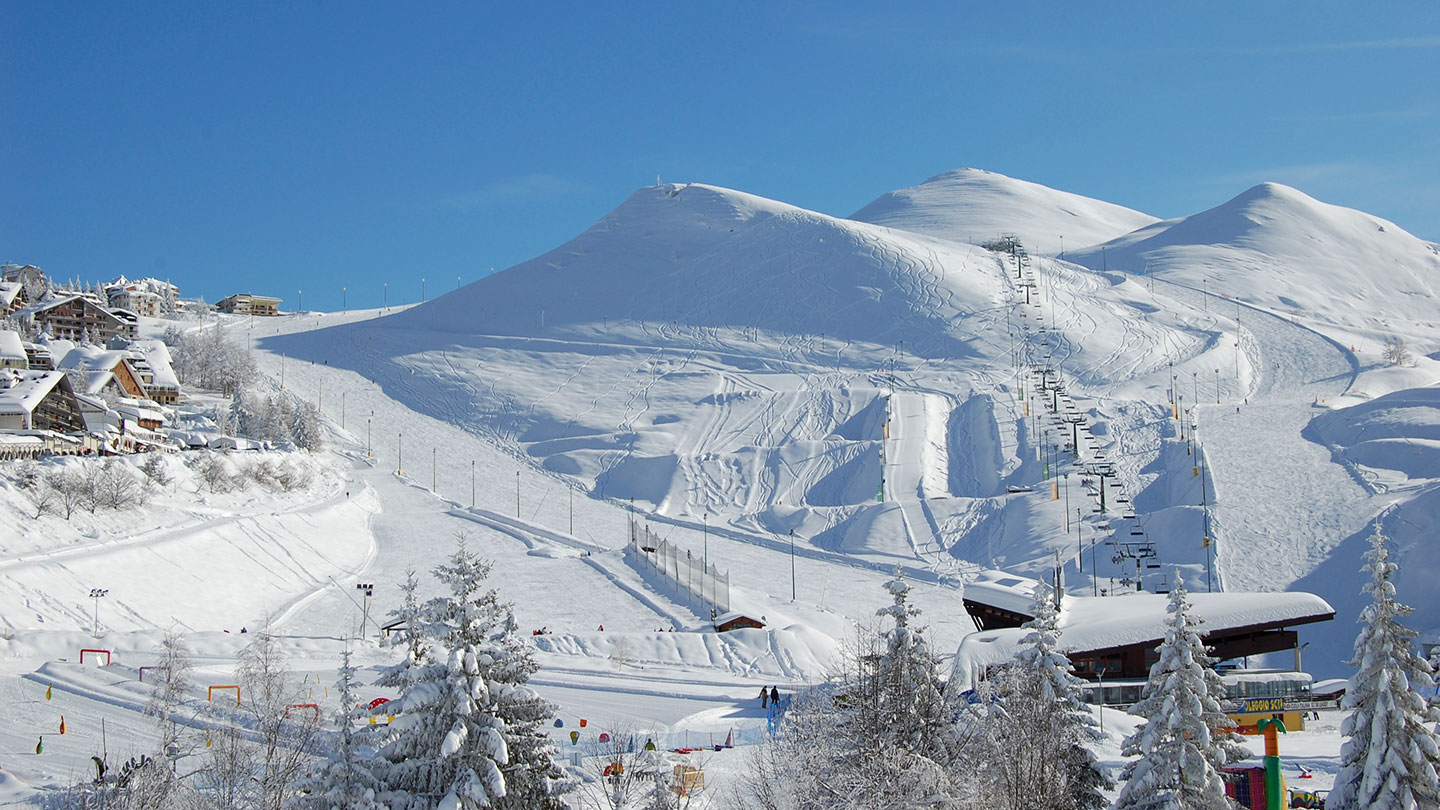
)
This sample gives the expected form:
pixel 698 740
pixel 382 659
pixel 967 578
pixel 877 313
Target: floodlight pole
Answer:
pixel 517 493
pixel 97 594
pixel 400 453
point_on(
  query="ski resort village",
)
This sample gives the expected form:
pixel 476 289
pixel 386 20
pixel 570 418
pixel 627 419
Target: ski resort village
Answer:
pixel 600 406
pixel 729 503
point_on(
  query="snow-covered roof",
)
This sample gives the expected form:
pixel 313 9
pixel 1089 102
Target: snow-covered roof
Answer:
pixel 1089 623
pixel 90 358
pixel 22 391
pixel 161 366
pixel 9 291
pixel 1003 590
pixel 11 345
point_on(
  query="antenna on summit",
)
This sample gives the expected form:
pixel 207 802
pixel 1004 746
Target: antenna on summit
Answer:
pixel 657 180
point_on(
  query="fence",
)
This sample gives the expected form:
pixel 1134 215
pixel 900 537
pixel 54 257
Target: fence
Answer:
pixel 682 571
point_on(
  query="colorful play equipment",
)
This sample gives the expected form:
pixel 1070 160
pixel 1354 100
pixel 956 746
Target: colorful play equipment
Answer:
pixel 210 695
pixel 1260 788
pixel 559 723
pixel 604 737
pixel 105 653
pixel 574 738
pixel 62 724
pixel 312 706
pixel 1274 782
pixel 378 702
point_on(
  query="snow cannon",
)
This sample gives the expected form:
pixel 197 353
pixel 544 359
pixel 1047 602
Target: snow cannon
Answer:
pixel 1274 783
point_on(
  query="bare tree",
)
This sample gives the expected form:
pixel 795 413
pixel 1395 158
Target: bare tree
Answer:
pixel 69 488
pixel 1396 352
pixel 285 739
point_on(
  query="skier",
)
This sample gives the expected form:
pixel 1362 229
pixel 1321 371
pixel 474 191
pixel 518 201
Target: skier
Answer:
pixel 764 697
pixel 774 696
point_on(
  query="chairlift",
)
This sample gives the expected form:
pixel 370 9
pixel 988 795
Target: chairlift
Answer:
pixel 1136 531
pixel 1153 565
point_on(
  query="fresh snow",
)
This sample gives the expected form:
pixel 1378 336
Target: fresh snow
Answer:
pixel 729 370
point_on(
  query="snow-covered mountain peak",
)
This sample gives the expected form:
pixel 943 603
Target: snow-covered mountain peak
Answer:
pixel 712 257
pixel 974 205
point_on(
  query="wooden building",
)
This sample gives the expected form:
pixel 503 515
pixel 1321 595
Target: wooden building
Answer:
pixel 248 304
pixel 39 400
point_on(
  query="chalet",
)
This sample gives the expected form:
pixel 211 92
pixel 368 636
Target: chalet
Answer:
pixel 38 400
pixel 31 279
pixel 131 326
pixel 152 358
pixel 94 370
pixel 11 298
pixel 75 317
pixel 1112 641
pixel 247 304
pixel 39 357
pixel 12 350
pixel 736 621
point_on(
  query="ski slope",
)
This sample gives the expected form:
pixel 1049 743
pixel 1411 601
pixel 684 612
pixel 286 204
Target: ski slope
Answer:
pixel 806 402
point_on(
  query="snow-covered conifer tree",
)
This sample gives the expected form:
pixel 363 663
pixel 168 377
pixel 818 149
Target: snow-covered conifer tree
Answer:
pixel 885 738
pixel 1040 729
pixel 1186 737
pixel 910 710
pixel 1392 758
pixel 343 781
pixel 468 731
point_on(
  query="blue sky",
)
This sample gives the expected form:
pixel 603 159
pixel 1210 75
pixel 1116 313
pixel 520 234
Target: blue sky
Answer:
pixel 276 147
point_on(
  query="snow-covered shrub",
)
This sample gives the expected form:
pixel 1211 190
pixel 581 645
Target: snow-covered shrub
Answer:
pixel 215 474
pixel 157 470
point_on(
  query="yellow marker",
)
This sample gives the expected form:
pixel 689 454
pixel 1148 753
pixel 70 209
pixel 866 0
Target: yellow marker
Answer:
pixel 48 689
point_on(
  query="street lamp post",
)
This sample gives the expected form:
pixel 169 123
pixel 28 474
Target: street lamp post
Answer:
pixel 705 552
pixel 344 298
pixel 434 481
pixel 367 438
pixel 384 295
pixel 400 452
pixel 300 305
pixel 422 290
pixel 517 493
pixel 472 483
pixel 97 594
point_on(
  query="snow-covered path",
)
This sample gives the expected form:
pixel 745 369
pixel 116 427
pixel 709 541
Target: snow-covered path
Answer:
pixel 1289 506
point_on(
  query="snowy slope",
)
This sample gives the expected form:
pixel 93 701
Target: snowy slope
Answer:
pixel 729 370
pixel 1275 247
pixel 691 258
pixel 973 205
